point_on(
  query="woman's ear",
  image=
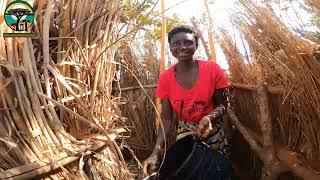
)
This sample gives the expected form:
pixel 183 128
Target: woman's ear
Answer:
pixel 171 51
pixel 197 44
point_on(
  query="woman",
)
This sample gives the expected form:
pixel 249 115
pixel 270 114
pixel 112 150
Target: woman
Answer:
pixel 196 91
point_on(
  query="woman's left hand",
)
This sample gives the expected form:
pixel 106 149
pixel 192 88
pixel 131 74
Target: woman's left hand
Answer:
pixel 205 127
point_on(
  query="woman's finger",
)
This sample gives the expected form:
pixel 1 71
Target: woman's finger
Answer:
pixel 205 131
pixel 153 167
pixel 145 169
pixel 200 130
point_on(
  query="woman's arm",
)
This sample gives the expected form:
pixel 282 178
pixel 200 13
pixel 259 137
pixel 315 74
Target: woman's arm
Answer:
pixel 220 101
pixel 167 120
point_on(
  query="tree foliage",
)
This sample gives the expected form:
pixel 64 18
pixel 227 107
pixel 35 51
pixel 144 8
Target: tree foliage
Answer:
pixel 143 14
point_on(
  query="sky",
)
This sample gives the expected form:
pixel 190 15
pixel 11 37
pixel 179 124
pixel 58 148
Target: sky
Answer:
pixel 195 8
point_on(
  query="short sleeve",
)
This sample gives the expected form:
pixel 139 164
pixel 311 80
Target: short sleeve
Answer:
pixel 162 89
pixel 221 79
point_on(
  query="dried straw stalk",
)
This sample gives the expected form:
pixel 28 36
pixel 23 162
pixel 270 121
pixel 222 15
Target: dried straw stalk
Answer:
pixel 315 7
pixel 286 61
pixel 73 55
pixel 138 102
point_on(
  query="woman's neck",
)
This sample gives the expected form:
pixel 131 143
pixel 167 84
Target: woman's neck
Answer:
pixel 184 66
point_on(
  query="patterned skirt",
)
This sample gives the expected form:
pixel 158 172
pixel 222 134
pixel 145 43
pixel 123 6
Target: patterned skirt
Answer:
pixel 216 139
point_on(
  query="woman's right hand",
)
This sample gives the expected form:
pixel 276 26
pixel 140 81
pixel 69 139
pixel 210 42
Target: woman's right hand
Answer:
pixel 150 164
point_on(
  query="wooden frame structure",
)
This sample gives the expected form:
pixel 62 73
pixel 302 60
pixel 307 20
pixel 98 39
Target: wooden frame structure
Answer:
pixel 276 158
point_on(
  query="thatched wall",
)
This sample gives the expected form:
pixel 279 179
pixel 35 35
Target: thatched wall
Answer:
pixel 56 105
pixel 138 100
pixel 291 72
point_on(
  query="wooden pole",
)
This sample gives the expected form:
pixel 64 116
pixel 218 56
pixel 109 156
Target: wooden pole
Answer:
pixel 163 37
pixel 199 33
pixel 246 135
pixel 289 160
pixel 277 90
pixel 265 120
pixel 210 32
pixel 162 62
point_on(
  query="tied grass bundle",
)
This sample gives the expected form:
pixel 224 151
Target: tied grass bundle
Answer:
pixel 287 61
pixel 56 107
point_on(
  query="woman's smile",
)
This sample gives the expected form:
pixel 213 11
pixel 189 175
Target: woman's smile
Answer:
pixel 183 54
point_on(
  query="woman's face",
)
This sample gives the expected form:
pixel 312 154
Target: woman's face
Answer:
pixel 183 46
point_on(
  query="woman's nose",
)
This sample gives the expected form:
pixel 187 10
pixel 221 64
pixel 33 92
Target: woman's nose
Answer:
pixel 183 46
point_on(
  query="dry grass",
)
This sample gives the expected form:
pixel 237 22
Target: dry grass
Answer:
pixel 286 60
pixel 139 107
pixel 315 7
pixel 56 90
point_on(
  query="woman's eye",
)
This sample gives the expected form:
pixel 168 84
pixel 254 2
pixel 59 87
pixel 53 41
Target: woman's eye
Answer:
pixel 175 44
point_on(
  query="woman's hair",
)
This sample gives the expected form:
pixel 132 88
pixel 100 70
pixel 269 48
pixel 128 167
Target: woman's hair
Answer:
pixel 185 29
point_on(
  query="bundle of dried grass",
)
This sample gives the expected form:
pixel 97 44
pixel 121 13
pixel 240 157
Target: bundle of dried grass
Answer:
pixel 241 68
pixel 139 106
pixel 286 60
pixel 55 93
pixel 315 7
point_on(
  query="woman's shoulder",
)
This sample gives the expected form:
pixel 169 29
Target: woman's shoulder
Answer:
pixel 167 73
pixel 209 64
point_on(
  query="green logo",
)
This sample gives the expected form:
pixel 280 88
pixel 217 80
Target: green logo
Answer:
pixel 19 16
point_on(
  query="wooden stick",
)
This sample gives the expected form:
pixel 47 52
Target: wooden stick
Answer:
pixel 199 33
pixel 210 32
pixel 266 128
pixel 246 135
pixel 45 46
pixel 93 124
pixel 38 168
pixel 94 88
pixel 272 171
pixel 272 90
pixel 265 116
pixel 287 158
pixel 138 87
pixel 290 159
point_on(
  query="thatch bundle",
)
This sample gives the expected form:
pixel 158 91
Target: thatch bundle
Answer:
pixel 56 105
pixel 290 71
pixel 315 7
pixel 141 69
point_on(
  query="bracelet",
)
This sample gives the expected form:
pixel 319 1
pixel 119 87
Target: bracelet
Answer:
pixel 217 112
